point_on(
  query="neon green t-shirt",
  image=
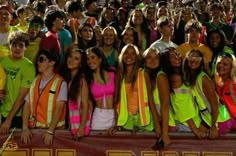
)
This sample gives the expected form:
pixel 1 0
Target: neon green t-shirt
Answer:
pixel 19 74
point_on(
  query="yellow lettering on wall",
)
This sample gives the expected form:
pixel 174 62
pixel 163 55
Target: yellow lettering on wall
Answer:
pixel 149 153
pixel 191 153
pixel 217 153
pixel 170 153
pixel 19 152
pixel 41 152
pixel 119 153
pixel 65 152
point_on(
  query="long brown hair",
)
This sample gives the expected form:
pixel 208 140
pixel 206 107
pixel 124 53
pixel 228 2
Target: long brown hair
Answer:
pixel 121 70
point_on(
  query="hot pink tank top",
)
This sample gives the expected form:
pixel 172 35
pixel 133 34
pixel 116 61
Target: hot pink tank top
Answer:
pixel 100 90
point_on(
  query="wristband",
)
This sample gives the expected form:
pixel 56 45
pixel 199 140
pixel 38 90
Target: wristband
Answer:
pixel 50 132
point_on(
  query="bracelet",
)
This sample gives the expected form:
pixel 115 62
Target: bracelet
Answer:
pixel 50 132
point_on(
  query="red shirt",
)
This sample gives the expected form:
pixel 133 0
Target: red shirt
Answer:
pixel 50 41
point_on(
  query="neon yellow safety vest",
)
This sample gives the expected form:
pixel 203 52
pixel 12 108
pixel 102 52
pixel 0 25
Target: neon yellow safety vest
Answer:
pixel 42 105
pixel 144 110
pixel 183 106
pixel 204 105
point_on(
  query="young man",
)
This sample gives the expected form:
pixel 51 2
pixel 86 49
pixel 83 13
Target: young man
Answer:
pixel 193 29
pixel 21 14
pixel 54 21
pixel 216 12
pixel 91 8
pixel 36 23
pixel 5 28
pixel 46 102
pixel 166 28
pixel 20 73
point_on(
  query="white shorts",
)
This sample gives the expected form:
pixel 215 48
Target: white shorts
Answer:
pixel 102 119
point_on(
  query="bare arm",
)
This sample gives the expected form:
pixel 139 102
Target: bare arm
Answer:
pixel 155 115
pixel 26 135
pixel 164 95
pixel 210 94
pixel 48 135
pixel 197 131
pixel 16 106
pixel 84 102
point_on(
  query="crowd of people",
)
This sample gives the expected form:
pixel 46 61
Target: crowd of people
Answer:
pixel 161 66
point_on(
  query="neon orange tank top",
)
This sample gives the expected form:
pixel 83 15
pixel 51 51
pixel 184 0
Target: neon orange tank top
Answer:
pixel 132 98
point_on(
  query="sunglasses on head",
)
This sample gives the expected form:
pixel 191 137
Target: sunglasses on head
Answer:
pixel 228 55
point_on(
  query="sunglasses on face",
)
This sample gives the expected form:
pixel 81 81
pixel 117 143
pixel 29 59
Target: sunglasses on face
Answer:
pixel 41 59
pixel 194 58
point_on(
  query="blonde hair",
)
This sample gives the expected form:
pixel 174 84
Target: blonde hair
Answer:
pixel 232 59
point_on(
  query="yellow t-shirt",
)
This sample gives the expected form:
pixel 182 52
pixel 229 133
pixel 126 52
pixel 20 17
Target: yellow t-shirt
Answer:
pixel 2 78
pixel 184 48
pixel 32 49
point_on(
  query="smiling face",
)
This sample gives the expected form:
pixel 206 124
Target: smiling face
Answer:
pixel 93 61
pixel 17 49
pixel 74 60
pixel 174 58
pixel 152 59
pixel 128 37
pixel 129 56
pixel 137 17
pixel 215 40
pixel 109 15
pixel 224 66
pixel 194 60
pixel 108 36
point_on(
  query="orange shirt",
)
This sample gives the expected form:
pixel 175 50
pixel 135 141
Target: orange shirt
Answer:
pixel 132 97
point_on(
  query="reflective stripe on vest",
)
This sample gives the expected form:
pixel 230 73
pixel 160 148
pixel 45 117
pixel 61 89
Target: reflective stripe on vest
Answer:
pixel 50 100
pixel 203 103
pixel 183 106
pixel 143 99
pixel 53 92
pixel 201 100
pixel 144 110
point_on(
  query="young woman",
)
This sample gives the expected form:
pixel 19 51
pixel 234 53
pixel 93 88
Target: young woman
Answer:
pixel 109 45
pixel 86 36
pixel 138 21
pixel 212 113
pixel 131 93
pixel 129 36
pixel 78 102
pixel 216 42
pixel 101 83
pixel 182 102
pixel 225 80
pixel 149 12
pixel 158 89
pixel 107 16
